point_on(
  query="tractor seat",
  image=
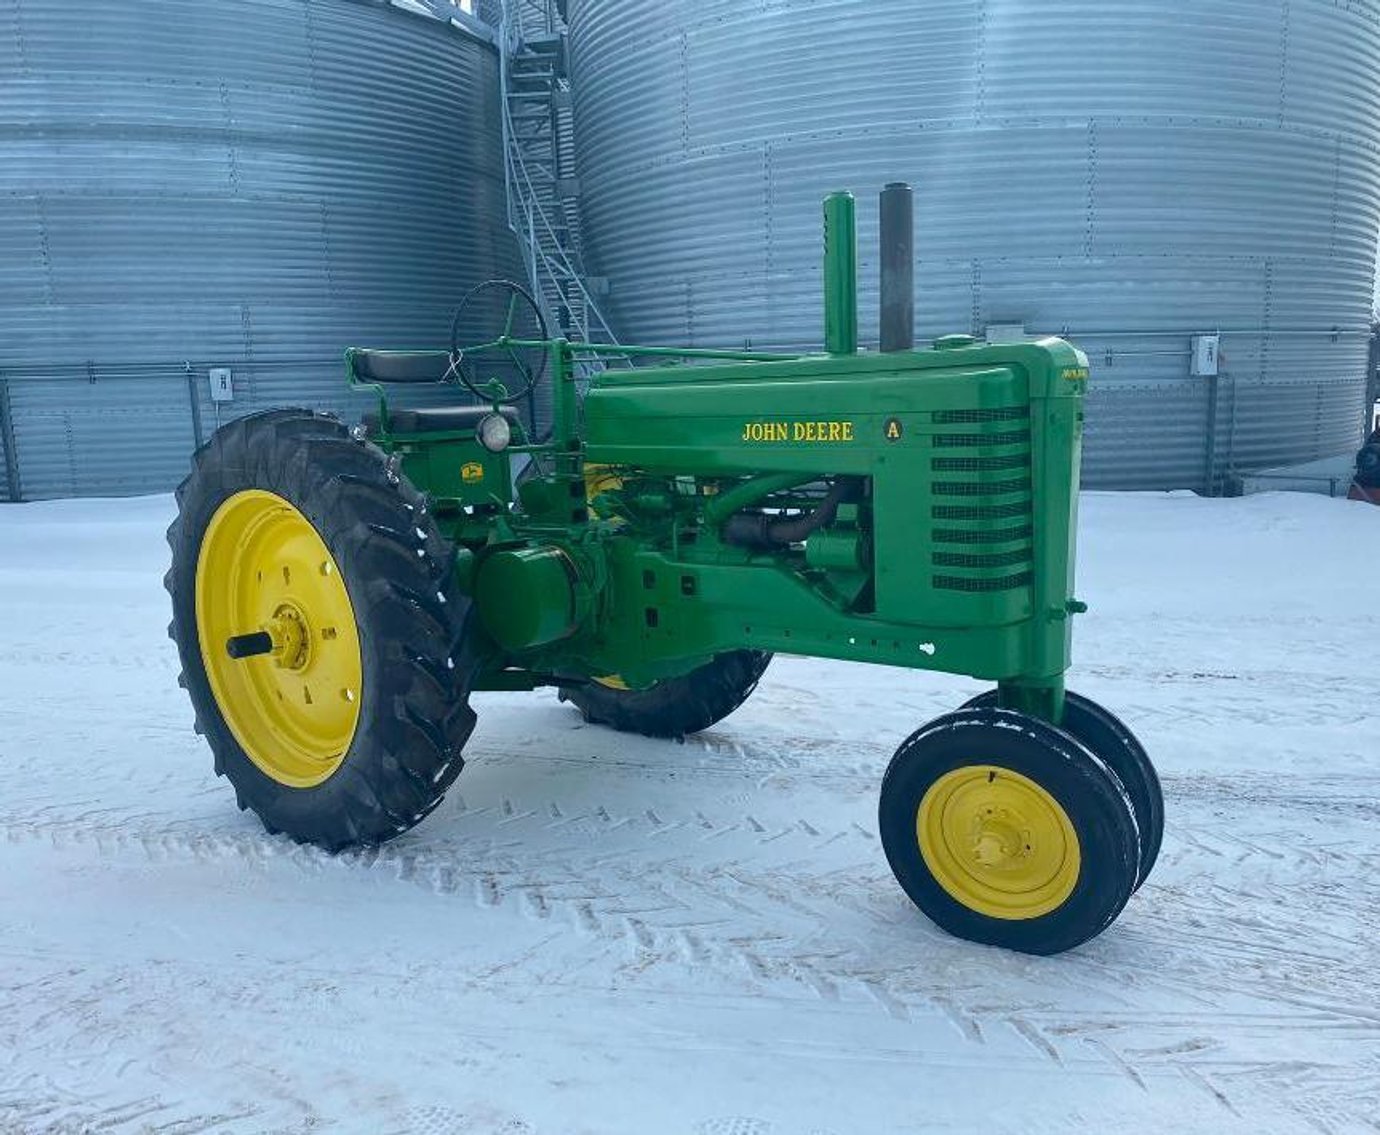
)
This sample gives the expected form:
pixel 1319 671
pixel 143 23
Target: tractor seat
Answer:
pixel 401 366
pixel 446 419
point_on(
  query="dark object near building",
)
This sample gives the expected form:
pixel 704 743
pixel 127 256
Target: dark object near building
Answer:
pixel 1366 486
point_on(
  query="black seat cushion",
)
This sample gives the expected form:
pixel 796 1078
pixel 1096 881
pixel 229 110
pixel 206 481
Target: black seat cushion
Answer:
pixel 400 366
pixel 445 419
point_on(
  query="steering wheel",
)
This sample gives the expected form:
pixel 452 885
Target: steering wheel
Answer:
pixel 521 319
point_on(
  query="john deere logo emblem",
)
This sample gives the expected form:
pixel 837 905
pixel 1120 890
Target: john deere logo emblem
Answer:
pixel 893 430
pixel 472 473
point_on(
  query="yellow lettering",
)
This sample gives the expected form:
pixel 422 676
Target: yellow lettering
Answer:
pixel 765 431
pixel 893 430
pixel 799 431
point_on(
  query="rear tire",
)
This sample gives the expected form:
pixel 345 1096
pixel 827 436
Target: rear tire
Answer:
pixel 674 707
pixel 1009 832
pixel 411 652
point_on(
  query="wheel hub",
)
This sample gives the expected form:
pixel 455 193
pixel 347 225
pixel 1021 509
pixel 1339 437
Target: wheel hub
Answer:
pixel 291 638
pixel 292 703
pixel 1000 837
pixel 998 842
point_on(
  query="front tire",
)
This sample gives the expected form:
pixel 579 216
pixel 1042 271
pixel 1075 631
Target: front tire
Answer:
pixel 1009 832
pixel 348 729
pixel 1109 737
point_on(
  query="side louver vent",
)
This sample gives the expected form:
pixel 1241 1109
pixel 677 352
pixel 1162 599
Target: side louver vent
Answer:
pixel 993 474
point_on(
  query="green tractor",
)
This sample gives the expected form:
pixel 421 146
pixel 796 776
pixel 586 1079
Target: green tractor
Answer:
pixel 339 592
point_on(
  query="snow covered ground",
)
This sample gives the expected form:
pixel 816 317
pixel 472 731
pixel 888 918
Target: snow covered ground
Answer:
pixel 604 934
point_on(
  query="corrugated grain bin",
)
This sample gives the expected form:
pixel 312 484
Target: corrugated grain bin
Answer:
pixel 252 185
pixel 1132 175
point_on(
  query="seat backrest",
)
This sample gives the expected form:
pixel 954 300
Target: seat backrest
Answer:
pixel 401 366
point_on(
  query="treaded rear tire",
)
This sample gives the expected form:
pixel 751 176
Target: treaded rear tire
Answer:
pixel 675 707
pixel 416 653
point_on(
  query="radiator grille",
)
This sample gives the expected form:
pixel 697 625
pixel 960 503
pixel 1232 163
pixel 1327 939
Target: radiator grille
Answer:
pixel 978 549
pixel 984 535
pixel 980 464
pixel 969 583
pixel 976 560
pixel 977 417
pixel 979 511
pixel 980 488
pixel 963 441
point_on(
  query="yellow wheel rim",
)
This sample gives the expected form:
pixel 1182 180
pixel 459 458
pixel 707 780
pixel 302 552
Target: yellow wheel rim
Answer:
pixel 998 843
pixel 263 567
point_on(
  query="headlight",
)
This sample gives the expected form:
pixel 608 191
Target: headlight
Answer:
pixel 494 433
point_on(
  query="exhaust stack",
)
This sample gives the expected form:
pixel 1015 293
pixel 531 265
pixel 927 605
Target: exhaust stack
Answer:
pixel 898 267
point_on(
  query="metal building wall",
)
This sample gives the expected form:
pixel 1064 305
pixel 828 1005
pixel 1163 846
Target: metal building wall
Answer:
pixel 256 185
pixel 1128 174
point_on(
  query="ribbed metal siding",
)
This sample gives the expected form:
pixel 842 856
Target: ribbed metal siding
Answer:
pixel 10 489
pixel 255 185
pixel 1129 174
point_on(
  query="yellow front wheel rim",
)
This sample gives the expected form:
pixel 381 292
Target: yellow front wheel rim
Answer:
pixel 998 842
pixel 263 567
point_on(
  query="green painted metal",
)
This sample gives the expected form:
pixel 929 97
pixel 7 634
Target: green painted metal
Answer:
pixel 530 596
pixel 840 275
pixel 928 501
pixel 725 504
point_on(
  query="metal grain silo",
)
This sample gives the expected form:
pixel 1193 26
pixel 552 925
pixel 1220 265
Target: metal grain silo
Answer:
pixel 251 185
pixel 1131 174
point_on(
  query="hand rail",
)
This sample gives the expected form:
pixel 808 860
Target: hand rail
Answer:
pixel 527 218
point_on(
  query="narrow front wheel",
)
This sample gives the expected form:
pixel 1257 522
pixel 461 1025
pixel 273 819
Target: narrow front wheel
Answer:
pixel 1111 739
pixel 1007 831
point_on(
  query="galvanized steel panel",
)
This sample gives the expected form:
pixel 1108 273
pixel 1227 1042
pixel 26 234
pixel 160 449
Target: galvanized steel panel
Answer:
pixel 255 185
pixel 10 488
pixel 1146 435
pixel 113 437
pixel 1128 175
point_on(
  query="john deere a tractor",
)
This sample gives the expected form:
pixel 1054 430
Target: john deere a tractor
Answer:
pixel 642 528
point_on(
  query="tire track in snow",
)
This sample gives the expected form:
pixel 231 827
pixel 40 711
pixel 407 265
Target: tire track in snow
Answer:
pixel 660 914
pixel 1141 1067
pixel 622 877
